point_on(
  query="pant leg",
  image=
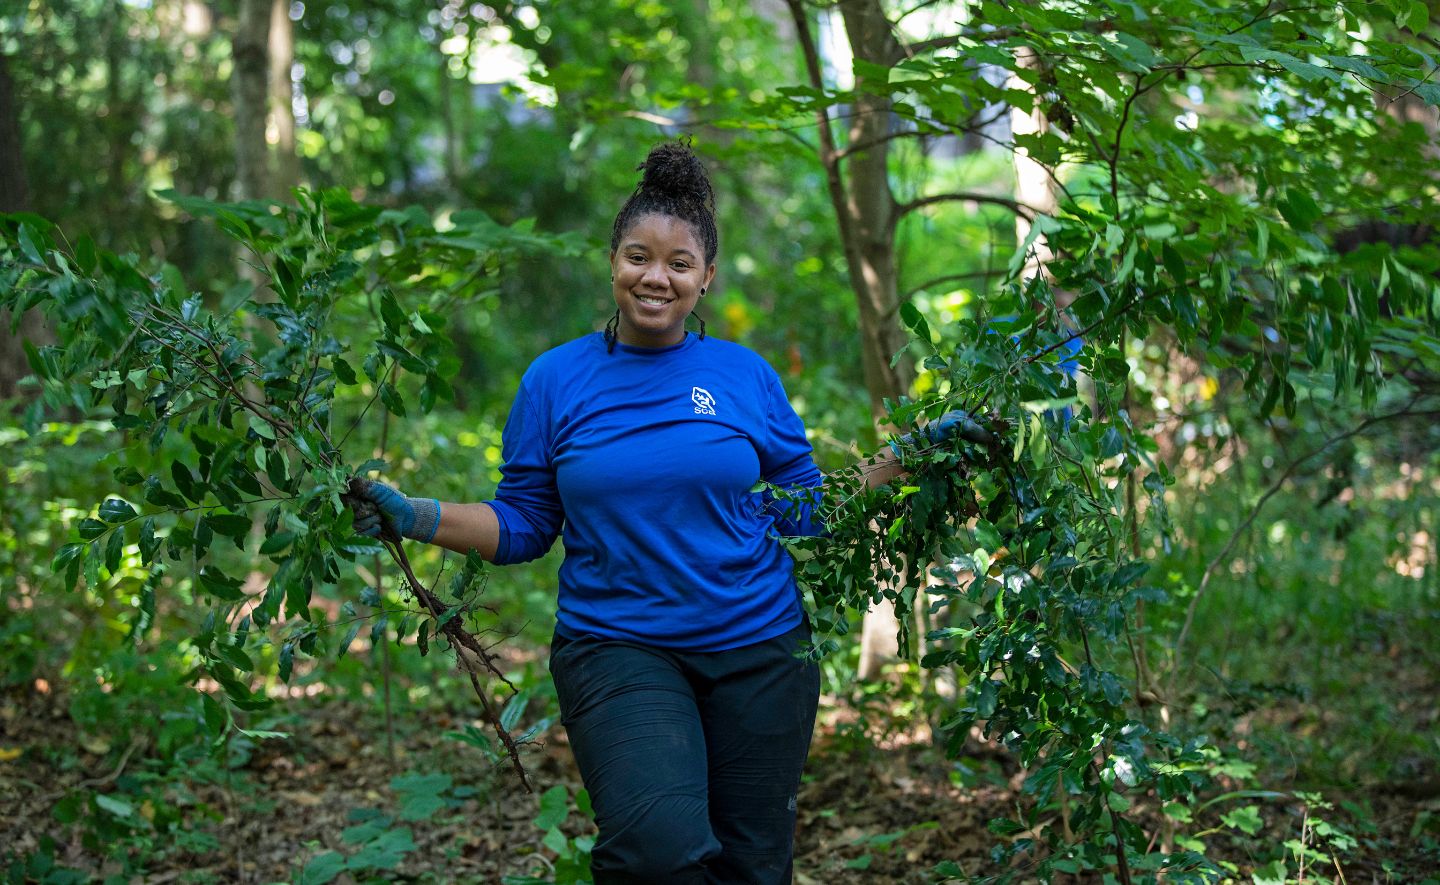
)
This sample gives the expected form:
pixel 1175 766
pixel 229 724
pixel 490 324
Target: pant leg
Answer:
pixel 758 714
pixel 635 731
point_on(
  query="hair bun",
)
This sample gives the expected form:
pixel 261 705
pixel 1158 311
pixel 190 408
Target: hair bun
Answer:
pixel 674 183
pixel 672 170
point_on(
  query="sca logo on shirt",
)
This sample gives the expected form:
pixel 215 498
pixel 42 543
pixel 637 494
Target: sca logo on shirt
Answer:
pixel 704 402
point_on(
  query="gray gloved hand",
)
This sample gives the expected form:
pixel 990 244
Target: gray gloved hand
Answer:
pixel 375 505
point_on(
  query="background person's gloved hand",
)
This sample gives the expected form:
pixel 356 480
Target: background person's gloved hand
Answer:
pixel 956 422
pixel 374 503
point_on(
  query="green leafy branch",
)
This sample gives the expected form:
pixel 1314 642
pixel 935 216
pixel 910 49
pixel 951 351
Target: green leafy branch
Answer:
pixel 224 415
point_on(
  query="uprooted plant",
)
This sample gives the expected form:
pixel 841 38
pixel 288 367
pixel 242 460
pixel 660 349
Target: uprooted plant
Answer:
pixel 227 424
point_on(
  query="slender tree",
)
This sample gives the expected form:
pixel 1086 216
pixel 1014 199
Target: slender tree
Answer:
pixel 14 197
pixel 282 110
pixel 249 81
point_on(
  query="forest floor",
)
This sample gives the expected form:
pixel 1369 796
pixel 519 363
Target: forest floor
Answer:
pixel 884 809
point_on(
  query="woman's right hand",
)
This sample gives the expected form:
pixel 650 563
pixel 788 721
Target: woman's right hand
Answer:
pixel 376 504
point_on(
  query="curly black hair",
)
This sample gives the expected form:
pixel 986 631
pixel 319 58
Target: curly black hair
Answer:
pixel 675 183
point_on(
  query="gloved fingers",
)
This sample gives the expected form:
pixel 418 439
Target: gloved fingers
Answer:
pixel 386 498
pixel 957 422
pixel 969 429
pixel 369 526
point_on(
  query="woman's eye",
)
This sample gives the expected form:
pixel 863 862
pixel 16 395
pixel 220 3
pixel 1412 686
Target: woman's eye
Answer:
pixel 680 265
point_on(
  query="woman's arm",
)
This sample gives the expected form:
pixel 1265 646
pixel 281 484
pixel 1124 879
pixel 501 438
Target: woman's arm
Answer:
pixel 880 468
pixel 466 527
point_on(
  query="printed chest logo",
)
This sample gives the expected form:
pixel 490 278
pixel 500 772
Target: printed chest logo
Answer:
pixel 704 402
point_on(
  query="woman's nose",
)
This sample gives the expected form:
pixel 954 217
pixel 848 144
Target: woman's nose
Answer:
pixel 655 275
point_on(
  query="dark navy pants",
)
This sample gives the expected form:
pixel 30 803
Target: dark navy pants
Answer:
pixel 692 759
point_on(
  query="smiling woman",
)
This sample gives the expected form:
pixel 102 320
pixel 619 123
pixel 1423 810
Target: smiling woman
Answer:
pixel 662 250
pixel 676 654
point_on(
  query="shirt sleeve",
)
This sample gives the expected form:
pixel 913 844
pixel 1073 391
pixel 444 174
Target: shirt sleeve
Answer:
pixel 786 462
pixel 527 502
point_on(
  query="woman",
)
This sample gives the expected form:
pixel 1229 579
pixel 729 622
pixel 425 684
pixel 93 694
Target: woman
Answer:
pixel 679 626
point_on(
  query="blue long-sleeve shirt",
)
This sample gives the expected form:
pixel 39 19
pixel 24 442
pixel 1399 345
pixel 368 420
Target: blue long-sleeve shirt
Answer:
pixel 647 458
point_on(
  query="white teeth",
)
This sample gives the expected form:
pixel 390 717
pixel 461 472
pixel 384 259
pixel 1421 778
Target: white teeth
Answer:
pixel 643 299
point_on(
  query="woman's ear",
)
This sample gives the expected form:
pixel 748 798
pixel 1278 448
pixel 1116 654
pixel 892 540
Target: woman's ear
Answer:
pixel 709 278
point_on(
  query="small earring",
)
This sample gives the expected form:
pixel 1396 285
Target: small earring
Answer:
pixel 702 290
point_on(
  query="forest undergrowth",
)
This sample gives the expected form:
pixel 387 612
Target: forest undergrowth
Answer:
pixel 139 803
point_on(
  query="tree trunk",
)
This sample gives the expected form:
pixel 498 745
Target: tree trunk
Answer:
pixel 870 210
pixel 14 190
pixel 117 132
pixel 249 82
pixel 866 213
pixel 1034 186
pixel 14 197
pixel 282 106
pixel 445 88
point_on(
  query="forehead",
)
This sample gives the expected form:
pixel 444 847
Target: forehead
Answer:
pixel 662 233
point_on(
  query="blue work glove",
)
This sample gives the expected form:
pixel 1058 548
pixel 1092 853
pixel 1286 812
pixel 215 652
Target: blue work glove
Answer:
pixel 956 422
pixel 376 504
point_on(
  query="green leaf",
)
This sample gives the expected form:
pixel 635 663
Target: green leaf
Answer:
pixel 149 543
pixel 350 635
pixel 85 253
pixel 65 556
pixel 1299 210
pixel 145 613
pixel 159 496
pixel 555 841
pixel 391 398
pixel 385 852
pixel 1002 826
pixel 220 585
pixel 216 718
pixel 392 315
pixel 322 869
pixel 287 661
pixel 421 784
pixel 234 656
pixel 554 808
pixel 115 806
pixel 28 247
pixel 362 545
pixel 986 699
pixel 514 709
pixel 114 551
pixel 127 475
pixel 232 525
pixel 418 808
pixel 1246 819
pixel 915 321
pixel 90 528
pixel 343 371
pixel 277 543
pixel 1415 16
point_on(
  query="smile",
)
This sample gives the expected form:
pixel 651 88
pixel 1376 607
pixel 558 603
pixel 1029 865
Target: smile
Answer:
pixel 652 299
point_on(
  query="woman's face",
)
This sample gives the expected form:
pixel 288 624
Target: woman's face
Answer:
pixel 658 271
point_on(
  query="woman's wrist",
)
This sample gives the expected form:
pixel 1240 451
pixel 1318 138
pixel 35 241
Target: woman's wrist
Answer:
pixel 427 519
